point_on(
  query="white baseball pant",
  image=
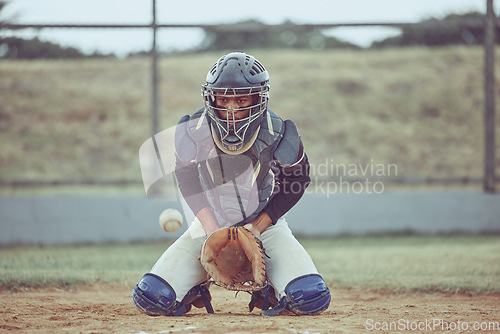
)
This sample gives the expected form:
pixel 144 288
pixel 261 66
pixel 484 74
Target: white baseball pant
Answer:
pixel 180 267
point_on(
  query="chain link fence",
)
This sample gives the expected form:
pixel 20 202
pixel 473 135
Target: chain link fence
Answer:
pixel 407 107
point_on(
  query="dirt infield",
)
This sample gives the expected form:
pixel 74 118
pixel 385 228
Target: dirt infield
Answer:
pixel 103 308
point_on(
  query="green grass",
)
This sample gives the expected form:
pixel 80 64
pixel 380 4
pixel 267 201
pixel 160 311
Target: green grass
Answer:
pixel 69 266
pixel 413 263
pixel 468 264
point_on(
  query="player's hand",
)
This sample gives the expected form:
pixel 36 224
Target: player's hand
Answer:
pixel 207 220
pixel 259 224
pixel 252 229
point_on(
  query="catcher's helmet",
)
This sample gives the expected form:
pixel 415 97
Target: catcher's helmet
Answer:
pixel 236 74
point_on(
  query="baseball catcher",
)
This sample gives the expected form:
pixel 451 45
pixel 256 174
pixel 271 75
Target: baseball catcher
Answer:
pixel 240 168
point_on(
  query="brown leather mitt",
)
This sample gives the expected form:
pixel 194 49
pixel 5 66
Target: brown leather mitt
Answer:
pixel 234 258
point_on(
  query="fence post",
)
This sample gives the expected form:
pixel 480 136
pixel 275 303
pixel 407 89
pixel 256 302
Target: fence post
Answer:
pixel 154 84
pixel 489 97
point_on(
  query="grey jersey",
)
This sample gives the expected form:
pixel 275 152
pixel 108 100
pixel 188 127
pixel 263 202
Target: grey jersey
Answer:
pixel 237 187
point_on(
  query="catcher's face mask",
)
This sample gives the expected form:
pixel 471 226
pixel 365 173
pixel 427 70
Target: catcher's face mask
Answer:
pixel 234 122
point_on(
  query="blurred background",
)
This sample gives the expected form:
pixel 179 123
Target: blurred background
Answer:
pixel 390 97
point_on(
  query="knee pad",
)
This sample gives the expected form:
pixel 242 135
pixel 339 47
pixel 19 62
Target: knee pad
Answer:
pixel 307 294
pixel 154 296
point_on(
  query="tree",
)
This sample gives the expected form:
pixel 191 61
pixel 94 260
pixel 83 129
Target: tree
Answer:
pixel 453 29
pixel 254 34
pixel 15 47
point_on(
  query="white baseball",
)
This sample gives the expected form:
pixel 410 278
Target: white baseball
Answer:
pixel 170 220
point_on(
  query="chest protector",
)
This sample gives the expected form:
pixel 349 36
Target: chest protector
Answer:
pixel 237 186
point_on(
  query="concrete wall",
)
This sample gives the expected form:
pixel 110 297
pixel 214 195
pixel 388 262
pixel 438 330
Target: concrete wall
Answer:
pixel 448 212
pixel 98 219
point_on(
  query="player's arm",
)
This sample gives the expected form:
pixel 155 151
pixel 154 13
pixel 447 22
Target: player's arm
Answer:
pixel 292 186
pixel 190 186
pixel 293 173
pixel 188 177
pixel 293 179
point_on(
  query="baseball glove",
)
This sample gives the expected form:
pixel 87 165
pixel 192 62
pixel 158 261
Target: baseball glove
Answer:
pixel 234 258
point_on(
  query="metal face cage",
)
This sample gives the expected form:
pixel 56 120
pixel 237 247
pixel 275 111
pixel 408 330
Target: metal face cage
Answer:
pixel 234 133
